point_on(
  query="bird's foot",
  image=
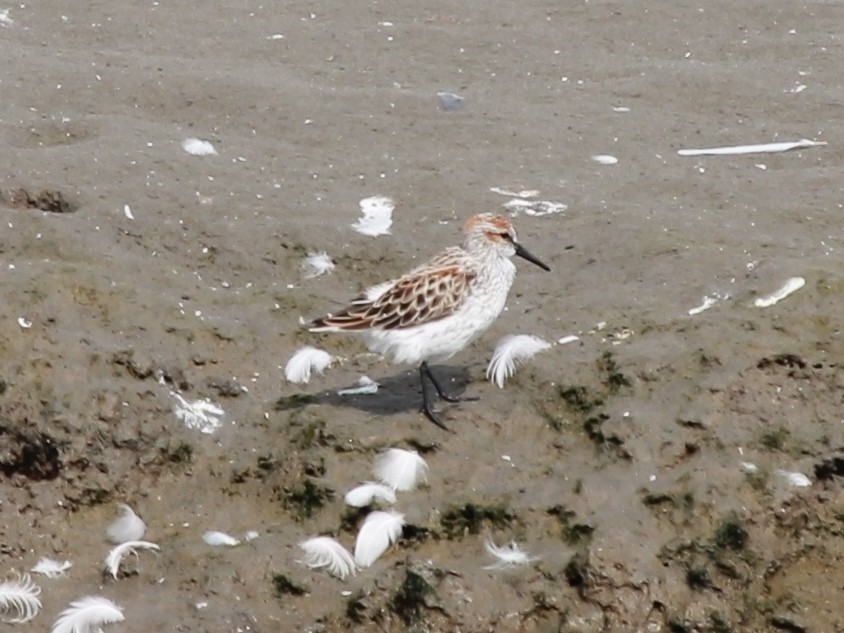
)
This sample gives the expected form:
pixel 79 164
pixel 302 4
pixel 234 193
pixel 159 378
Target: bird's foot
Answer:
pixel 433 416
pixel 452 399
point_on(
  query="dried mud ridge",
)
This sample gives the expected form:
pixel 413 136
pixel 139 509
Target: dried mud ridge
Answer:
pixel 741 566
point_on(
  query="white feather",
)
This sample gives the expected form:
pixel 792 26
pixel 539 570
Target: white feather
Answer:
pixel 201 415
pixel 366 386
pixel 372 293
pixel 198 147
pixel 377 216
pixel 510 351
pixel 378 532
pixel 324 551
pixel 400 469
pixel 368 492
pixel 115 556
pixel 508 555
pixel 51 568
pixel 216 539
pixel 316 264
pixel 306 360
pixel 798 480
pixel 87 615
pixel 127 527
pixel 20 596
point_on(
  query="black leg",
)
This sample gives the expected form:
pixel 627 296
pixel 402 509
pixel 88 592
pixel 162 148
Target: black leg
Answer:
pixel 424 371
pixel 426 404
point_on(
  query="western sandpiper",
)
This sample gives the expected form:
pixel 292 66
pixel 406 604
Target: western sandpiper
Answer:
pixel 438 308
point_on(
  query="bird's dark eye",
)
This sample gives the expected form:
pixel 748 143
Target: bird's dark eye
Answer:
pixel 506 236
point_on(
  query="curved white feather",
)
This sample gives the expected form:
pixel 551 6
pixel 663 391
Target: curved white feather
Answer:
pixel 87 615
pixel 368 492
pixel 400 469
pixel 324 551
pixel 20 596
pixel 51 568
pixel 216 539
pixel 306 360
pixel 509 352
pixel 507 555
pixel 115 556
pixel 378 532
pixel 127 527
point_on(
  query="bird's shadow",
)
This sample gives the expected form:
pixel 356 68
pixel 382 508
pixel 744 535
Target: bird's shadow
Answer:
pixel 399 393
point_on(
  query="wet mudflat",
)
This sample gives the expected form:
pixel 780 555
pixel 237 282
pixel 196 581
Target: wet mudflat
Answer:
pixel 670 471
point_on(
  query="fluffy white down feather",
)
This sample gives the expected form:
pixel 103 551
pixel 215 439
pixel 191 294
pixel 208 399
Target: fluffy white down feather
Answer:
pixel 400 469
pixel 127 527
pixel 508 555
pixel 377 216
pixel 368 492
pixel 51 568
pixel 87 615
pixel 305 361
pixel 324 551
pixel 509 352
pixel 21 596
pixel 378 532
pixel 316 264
pixel 115 556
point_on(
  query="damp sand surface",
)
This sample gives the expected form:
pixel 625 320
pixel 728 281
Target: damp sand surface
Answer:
pixel 646 464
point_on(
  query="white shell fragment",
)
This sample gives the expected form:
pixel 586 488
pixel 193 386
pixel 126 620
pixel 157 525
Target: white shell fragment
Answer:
pixel 51 568
pixel 127 527
pixel 200 415
pixel 324 551
pixel 127 211
pixel 366 386
pixel 605 159
pixel 216 539
pixel 24 323
pixel 565 340
pixel 524 193
pixel 317 264
pixel 449 101
pixel 305 361
pixel 400 469
pixel 378 532
pixel 509 352
pixel 707 302
pixel 377 216
pixel 368 492
pixel 761 148
pixel 198 147
pixel 792 285
pixel 508 555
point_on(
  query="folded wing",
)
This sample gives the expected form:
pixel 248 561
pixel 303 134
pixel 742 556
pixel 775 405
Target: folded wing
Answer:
pixel 419 297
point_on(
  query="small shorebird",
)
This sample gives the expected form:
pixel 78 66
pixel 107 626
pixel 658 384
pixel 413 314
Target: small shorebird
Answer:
pixel 438 308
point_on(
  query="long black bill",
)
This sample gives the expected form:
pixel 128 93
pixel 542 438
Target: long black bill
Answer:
pixel 522 252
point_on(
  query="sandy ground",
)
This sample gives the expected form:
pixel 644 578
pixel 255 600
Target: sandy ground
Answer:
pixel 646 465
